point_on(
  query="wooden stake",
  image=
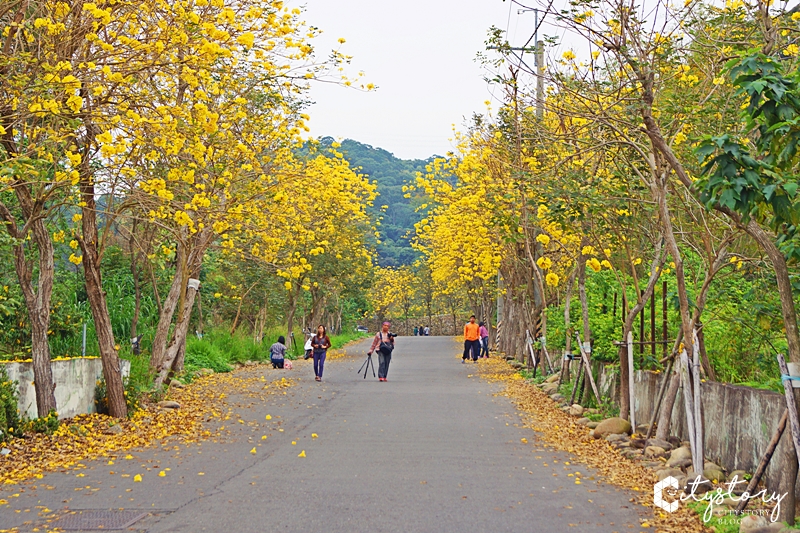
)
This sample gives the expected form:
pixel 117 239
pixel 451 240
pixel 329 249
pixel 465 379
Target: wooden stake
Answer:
pixel 588 367
pixel 659 399
pixel 791 405
pixel 631 381
pixel 762 466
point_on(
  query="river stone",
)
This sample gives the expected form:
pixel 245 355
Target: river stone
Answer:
pixel 655 451
pixel 169 404
pixel 550 387
pixel 642 428
pixel 204 372
pixel 556 397
pixel 614 437
pixel 582 421
pixel 552 379
pixel 592 411
pixel 660 443
pixel 704 486
pixel 565 408
pixel 593 424
pixel 116 429
pixel 739 475
pixel 679 457
pixel 612 426
pixel 576 409
pixel 714 474
pixel 666 472
pixel 752 524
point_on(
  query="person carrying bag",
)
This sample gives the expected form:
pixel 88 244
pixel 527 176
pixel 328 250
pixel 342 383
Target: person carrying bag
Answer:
pixel 384 342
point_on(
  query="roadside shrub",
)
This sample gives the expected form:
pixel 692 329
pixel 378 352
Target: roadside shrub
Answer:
pixel 201 353
pixel 44 424
pixel 9 415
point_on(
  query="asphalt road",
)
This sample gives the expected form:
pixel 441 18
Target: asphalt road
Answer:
pixel 431 450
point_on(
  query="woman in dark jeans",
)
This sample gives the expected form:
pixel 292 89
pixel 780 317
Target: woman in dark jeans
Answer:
pixel 277 352
pixel 320 344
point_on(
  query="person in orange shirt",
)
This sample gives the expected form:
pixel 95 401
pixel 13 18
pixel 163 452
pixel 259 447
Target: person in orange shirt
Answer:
pixel 472 340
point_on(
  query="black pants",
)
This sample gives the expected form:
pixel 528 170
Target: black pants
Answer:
pixel 474 347
pixel 277 363
pixel 383 363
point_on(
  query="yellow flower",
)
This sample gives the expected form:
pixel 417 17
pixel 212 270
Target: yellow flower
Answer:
pixel 594 264
pixel 551 279
pixel 587 250
pixel 543 238
pixel 569 55
pixel 544 263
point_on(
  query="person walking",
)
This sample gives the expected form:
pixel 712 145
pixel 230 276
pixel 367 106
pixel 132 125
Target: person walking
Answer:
pixel 277 352
pixel 484 333
pixel 427 330
pixel 472 343
pixel 416 331
pixel 384 342
pixel 320 344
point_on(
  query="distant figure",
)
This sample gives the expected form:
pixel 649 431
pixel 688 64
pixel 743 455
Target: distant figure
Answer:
pixel 427 330
pixel 421 330
pixel 416 331
pixel 320 344
pixel 484 340
pixel 472 342
pixel 277 352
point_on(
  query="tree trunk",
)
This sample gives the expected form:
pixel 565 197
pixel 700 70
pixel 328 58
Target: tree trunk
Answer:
pixel 587 330
pixel 173 362
pixel 665 416
pixel 117 406
pixel 37 303
pixel 168 307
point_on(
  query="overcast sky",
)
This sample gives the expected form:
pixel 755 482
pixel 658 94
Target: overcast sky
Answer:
pixel 421 55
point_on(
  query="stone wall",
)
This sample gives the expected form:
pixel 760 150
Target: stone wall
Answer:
pixel 738 421
pixel 75 381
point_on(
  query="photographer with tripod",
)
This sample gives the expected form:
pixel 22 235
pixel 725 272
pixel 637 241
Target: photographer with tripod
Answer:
pixel 384 342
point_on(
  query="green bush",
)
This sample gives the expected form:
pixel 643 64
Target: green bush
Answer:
pixel 44 424
pixel 9 414
pixel 202 353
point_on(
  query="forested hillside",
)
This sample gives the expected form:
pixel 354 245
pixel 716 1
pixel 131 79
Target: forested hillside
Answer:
pixel 399 216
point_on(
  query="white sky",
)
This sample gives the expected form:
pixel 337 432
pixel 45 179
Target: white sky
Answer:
pixel 421 55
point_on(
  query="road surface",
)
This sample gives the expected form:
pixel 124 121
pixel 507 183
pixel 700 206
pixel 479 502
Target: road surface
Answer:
pixel 431 450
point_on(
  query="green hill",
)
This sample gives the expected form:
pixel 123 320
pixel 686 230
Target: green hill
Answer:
pixel 391 173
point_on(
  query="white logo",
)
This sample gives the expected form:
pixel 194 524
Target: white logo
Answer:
pixel 658 494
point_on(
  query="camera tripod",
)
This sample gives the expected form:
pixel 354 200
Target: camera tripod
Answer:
pixel 366 366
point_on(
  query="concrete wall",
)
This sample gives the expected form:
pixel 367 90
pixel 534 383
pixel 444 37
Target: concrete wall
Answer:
pixel 738 421
pixel 75 381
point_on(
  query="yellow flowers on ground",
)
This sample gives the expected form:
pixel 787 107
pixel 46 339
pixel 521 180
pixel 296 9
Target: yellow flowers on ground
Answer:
pixel 253 451
pixel 269 417
pixel 302 454
pixel 137 478
pixel 314 435
pixel 162 474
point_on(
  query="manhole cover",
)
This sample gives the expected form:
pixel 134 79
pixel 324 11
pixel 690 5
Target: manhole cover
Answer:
pixel 98 520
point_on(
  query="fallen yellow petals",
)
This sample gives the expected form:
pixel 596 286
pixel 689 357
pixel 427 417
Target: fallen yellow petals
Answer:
pixel 253 451
pixel 137 478
pixel 314 435
pixel 302 454
pixel 162 474
pixel 269 417
pixel 524 440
